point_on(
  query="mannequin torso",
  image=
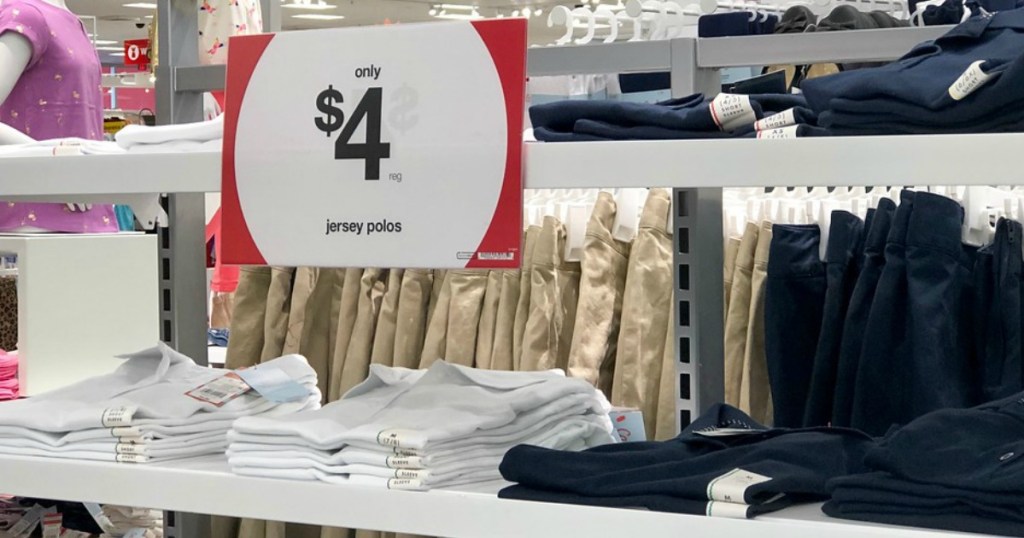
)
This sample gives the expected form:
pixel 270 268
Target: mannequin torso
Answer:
pixel 49 88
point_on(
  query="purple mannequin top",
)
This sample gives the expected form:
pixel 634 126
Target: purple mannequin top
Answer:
pixel 57 96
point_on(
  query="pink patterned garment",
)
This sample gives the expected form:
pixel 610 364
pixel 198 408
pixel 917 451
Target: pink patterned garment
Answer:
pixel 8 375
pixel 57 96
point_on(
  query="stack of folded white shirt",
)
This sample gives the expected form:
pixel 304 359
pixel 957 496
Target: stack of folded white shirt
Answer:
pixel 158 405
pixel 417 430
pixel 127 521
pixel 181 137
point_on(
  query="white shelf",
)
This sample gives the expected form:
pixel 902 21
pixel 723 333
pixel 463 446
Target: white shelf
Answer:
pixel 978 159
pixel 110 174
pixel 205 485
pixel 833 161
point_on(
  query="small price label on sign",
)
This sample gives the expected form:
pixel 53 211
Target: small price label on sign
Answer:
pixel 403 152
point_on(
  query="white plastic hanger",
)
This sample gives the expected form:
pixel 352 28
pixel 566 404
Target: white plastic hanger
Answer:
pixel 583 14
pixel 562 16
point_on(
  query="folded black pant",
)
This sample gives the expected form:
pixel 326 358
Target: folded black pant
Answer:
pixel 698 466
pixel 687 117
pixel 955 469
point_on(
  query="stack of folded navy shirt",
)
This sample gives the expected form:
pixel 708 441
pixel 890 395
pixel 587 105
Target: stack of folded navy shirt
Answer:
pixel 775 115
pixel 953 469
pixel 722 465
pixel 970 80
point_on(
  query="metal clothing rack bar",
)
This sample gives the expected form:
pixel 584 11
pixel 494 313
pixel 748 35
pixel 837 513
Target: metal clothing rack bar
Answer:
pixel 182 245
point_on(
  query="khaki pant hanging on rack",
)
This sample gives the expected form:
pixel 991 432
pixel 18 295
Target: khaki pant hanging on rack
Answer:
pixel 247 324
pixel 732 248
pixel 451 334
pixel 602 285
pixel 523 305
pixel 504 323
pixel 387 321
pixel 488 320
pixel 645 311
pixel 738 316
pixel 554 294
pixel 372 288
pixel 411 328
pixel 279 301
pixel 302 289
pixel 317 331
pixel 347 311
pixel 755 392
pixel 665 426
pixel 435 292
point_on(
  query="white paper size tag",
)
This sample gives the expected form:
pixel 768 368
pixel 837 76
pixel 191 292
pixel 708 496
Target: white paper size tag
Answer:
pixel 780 133
pixel 221 390
pixel 118 416
pixel 971 79
pixel 126 431
pixel 397 438
pixel 732 111
pixel 129 448
pixel 412 474
pixel 730 510
pixel 732 486
pixel 782 119
pixel 273 383
pixel 727 432
pixel 131 458
pixel 405 483
pixel 404 462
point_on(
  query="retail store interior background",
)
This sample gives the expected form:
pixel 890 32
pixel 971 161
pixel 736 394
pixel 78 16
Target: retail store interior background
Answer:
pixel 769 284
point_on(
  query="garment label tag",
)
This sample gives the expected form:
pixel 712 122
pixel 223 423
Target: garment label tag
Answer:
pixel 727 432
pixel 732 111
pixel 395 438
pixel 221 390
pixel 271 382
pixel 129 448
pixel 60 151
pixel 779 133
pixel 971 79
pixel 782 119
pixel 118 416
pixel 413 474
pixel 52 524
pixel 732 486
pixel 126 431
pixel 730 510
pixel 404 462
pixel 405 483
pixel 131 458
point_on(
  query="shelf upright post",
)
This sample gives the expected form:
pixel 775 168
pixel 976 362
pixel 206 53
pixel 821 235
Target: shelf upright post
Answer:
pixel 271 10
pixel 697 265
pixel 182 244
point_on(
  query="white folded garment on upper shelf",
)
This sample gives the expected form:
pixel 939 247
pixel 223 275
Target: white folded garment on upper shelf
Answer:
pixel 201 131
pixel 448 403
pixel 150 388
pixel 60 147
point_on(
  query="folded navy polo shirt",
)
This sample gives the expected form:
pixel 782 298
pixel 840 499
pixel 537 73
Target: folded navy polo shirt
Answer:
pixel 925 74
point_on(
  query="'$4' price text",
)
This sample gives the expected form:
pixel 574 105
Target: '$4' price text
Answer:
pixel 333 118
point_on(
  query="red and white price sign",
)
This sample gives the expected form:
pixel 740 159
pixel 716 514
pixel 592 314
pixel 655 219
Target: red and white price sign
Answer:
pixel 392 146
pixel 136 52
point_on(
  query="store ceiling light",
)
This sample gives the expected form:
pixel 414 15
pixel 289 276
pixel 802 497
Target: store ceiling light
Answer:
pixel 462 12
pixel 111 48
pixel 117 53
pixel 105 42
pixel 141 5
pixel 316 6
pixel 318 17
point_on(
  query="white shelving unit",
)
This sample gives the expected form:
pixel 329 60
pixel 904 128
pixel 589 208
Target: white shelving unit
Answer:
pixel 209 487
